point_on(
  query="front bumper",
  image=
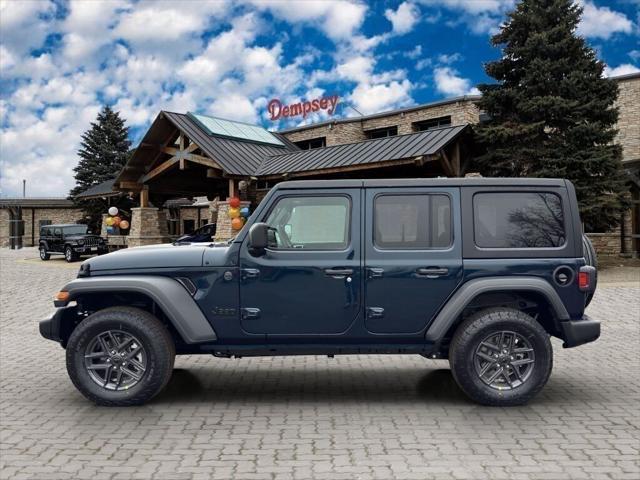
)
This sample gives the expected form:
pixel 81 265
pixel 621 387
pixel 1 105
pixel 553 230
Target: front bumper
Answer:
pixel 51 328
pixel 87 250
pixel 579 332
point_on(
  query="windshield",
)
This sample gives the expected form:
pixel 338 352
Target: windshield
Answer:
pixel 75 230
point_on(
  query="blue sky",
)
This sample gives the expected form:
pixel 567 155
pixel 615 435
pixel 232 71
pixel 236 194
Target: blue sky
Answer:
pixel 60 61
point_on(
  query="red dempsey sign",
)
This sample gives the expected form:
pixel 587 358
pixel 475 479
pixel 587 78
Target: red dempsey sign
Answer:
pixel 277 110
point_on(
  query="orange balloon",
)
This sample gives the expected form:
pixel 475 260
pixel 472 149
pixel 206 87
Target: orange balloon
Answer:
pixel 124 224
pixel 116 221
pixel 236 223
pixel 234 202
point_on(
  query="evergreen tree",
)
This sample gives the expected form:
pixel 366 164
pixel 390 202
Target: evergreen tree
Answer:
pixel 103 152
pixel 552 113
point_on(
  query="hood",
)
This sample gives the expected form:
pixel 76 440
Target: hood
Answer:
pixel 152 256
pixel 79 236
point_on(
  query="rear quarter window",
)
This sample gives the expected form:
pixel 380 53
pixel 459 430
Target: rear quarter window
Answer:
pixel 518 220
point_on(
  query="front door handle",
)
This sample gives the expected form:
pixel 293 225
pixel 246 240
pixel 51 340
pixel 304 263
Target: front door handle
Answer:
pixel 250 313
pixel 250 273
pixel 375 312
pixel 338 272
pixel 432 272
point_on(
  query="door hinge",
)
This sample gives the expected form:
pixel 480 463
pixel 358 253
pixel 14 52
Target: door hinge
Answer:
pixel 250 313
pixel 375 312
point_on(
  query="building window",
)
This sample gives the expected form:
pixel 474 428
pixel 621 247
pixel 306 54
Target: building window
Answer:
pixel 188 226
pixel 431 123
pixel 382 132
pixel 518 220
pixel 312 143
pixel 412 221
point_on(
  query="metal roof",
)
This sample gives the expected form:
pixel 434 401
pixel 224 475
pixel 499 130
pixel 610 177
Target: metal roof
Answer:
pixel 235 156
pixel 374 151
pixel 104 189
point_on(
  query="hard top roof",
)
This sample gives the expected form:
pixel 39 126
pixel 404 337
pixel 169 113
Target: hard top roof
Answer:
pixel 424 182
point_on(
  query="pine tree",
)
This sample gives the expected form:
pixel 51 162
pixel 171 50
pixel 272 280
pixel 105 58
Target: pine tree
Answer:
pixel 552 113
pixel 103 152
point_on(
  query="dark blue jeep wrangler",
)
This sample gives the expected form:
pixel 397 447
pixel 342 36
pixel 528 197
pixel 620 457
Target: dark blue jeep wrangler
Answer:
pixel 479 271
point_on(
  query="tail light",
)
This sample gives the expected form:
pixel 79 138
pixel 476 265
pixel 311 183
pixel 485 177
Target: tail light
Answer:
pixel 583 280
pixel 586 278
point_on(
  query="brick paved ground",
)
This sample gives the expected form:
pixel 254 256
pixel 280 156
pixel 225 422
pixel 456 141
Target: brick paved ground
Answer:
pixel 312 417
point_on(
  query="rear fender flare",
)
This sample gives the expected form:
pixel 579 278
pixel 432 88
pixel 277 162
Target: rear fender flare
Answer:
pixel 470 290
pixel 174 300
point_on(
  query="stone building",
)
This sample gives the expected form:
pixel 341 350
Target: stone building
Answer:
pixel 34 213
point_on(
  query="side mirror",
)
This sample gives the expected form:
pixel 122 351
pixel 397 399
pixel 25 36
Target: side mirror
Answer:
pixel 259 237
pixel 89 232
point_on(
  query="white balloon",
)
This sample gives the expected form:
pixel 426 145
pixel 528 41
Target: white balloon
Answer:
pixel 113 211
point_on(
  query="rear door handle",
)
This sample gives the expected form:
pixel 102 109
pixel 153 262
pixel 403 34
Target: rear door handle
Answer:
pixel 338 272
pixel 432 272
pixel 374 272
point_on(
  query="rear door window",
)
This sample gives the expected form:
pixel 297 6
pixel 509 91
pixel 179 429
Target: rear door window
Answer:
pixel 518 220
pixel 412 221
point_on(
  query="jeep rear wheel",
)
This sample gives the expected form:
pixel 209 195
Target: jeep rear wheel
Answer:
pixel 69 254
pixel 120 356
pixel 43 253
pixel 501 357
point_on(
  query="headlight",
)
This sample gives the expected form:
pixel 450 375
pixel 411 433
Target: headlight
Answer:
pixel 80 242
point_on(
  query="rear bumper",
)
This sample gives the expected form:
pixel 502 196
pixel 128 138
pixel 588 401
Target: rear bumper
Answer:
pixel 579 332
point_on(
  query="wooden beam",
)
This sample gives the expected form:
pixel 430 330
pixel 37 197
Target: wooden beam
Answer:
pixel 144 197
pixel 130 186
pixel 160 168
pixel 183 164
pixel 192 147
pixel 232 187
pixel 456 160
pixel 155 159
pixel 170 150
pixel 446 164
pixel 192 157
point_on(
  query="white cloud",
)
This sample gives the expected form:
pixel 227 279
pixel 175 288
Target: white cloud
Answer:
pixel 480 16
pixel 473 6
pixel 376 98
pixel 602 22
pixel 23 24
pixel 339 19
pixel 449 82
pixel 624 69
pixel 404 18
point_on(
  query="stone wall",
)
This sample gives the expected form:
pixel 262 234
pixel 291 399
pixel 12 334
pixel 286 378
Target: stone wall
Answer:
pixel 223 222
pixel 148 227
pixel 32 218
pixel 338 133
pixel 191 213
pixel 629 120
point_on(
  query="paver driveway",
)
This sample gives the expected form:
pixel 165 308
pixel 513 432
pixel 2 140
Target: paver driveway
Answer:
pixel 313 417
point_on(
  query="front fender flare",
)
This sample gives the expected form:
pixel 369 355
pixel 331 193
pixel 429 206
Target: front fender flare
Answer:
pixel 468 291
pixel 169 294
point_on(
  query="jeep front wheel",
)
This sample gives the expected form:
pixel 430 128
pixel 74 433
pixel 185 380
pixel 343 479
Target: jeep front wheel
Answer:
pixel 501 357
pixel 69 255
pixel 44 255
pixel 120 356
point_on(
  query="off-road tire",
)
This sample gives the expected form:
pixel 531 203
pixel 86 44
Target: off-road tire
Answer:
pixel 69 254
pixel 155 339
pixel 43 253
pixel 471 333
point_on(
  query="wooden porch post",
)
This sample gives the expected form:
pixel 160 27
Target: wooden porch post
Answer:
pixel 144 196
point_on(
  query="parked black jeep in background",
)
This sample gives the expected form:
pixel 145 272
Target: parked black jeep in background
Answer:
pixel 70 240
pixel 482 272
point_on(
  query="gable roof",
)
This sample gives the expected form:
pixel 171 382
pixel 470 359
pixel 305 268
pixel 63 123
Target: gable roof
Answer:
pixel 245 157
pixel 104 189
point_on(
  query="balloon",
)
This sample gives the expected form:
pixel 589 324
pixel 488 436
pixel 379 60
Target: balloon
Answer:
pixel 234 212
pixel 234 202
pixel 236 224
pixel 111 230
pixel 113 211
pixel 116 221
pixel 244 211
pixel 109 221
pixel 124 224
